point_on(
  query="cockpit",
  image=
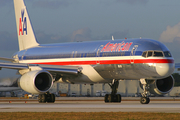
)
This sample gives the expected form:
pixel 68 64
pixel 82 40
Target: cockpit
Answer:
pixel 156 54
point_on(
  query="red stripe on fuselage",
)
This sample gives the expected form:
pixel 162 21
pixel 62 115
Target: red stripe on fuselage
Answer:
pixel 154 61
pixel 136 61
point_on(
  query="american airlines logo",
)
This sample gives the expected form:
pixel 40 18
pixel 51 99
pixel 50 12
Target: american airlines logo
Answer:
pixel 22 24
pixel 112 47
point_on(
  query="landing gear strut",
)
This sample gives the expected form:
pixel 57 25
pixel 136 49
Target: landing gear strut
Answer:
pixel 113 97
pixel 46 97
pixel 145 97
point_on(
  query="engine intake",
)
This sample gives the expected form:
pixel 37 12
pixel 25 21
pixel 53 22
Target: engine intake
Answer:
pixel 162 86
pixel 39 81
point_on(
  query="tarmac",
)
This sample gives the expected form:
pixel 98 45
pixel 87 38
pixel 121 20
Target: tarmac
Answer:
pixel 91 104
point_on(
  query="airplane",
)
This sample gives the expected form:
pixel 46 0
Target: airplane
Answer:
pixel 103 61
pixel 9 85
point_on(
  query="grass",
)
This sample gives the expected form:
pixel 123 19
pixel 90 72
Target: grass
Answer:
pixel 88 116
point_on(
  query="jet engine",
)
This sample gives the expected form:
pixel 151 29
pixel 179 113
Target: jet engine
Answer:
pixel 160 86
pixel 36 82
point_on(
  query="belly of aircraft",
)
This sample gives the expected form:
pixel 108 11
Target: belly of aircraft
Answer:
pixel 106 73
pixel 127 71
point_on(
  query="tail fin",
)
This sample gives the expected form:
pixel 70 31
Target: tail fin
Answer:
pixel 25 32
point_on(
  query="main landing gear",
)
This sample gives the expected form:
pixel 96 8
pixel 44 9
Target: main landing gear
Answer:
pixel 145 97
pixel 113 97
pixel 46 97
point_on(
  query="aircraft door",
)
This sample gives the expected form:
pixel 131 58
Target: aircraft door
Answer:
pixel 22 55
pixel 98 54
pixel 132 54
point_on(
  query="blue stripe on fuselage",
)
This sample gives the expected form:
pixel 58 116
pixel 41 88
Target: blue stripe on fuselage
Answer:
pixel 82 55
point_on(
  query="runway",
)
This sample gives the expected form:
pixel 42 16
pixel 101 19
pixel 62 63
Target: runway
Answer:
pixel 91 106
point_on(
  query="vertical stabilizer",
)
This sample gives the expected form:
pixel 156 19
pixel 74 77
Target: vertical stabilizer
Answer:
pixel 25 32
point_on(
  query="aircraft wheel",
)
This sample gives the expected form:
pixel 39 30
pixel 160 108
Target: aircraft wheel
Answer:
pixel 118 98
pixel 110 98
pixel 42 98
pixel 144 100
pixel 106 98
pixel 50 98
pixel 39 98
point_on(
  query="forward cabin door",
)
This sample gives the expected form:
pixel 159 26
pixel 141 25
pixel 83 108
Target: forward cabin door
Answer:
pixel 132 54
pixel 98 54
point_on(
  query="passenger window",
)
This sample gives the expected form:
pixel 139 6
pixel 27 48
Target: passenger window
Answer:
pixel 149 54
pixel 158 54
pixel 167 54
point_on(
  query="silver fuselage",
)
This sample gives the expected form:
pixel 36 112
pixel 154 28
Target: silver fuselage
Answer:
pixel 102 61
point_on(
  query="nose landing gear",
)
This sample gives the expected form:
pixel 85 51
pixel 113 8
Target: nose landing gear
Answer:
pixel 144 100
pixel 145 97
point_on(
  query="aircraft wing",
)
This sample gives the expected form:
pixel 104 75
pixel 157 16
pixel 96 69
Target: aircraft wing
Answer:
pixel 67 70
pixel 7 89
pixel 7 59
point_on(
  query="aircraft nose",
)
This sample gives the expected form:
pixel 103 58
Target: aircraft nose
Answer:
pixel 165 69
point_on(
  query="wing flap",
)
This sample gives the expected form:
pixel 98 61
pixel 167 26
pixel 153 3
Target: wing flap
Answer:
pixel 68 70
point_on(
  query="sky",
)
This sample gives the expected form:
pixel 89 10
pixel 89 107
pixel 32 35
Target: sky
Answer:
pixel 56 21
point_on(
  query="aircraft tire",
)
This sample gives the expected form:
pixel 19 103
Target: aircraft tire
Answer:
pixel 43 98
pixel 50 98
pixel 39 98
pixel 106 98
pixel 118 98
pixel 110 98
pixel 144 100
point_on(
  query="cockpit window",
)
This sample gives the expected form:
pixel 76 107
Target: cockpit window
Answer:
pixel 155 54
pixel 144 54
pixel 158 54
pixel 167 54
pixel 150 53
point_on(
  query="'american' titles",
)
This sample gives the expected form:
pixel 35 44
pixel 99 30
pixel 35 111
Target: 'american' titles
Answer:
pixel 116 47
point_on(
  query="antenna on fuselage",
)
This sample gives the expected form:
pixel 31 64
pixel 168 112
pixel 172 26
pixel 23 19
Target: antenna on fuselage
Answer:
pixel 112 37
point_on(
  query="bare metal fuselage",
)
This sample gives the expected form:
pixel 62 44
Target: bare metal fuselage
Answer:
pixel 102 61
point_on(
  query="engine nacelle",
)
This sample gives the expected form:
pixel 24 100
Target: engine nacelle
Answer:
pixel 39 81
pixel 160 86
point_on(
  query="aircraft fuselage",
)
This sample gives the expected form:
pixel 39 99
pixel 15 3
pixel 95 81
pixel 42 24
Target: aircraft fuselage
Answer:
pixel 118 59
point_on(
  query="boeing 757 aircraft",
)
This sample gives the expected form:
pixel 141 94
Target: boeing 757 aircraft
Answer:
pixel 105 61
pixel 9 85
